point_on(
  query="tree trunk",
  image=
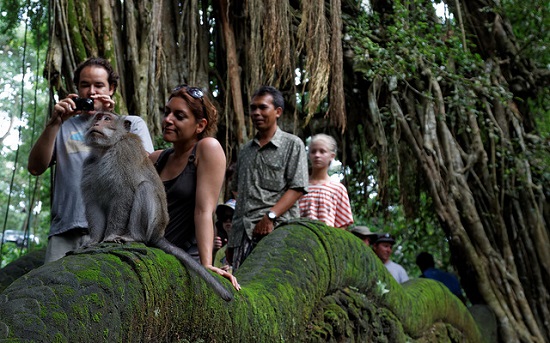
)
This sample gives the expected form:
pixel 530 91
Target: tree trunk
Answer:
pixel 233 73
pixel 518 234
pixel 153 45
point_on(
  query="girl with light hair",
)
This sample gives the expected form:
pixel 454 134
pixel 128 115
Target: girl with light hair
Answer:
pixel 327 200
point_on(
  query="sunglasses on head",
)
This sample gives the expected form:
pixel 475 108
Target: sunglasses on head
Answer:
pixel 195 92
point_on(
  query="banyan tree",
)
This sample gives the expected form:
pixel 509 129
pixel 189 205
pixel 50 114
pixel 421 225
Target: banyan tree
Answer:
pixel 443 105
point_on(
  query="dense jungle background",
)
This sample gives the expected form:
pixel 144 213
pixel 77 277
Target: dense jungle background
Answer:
pixel 441 110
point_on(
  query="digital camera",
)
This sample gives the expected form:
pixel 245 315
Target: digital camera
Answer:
pixel 84 104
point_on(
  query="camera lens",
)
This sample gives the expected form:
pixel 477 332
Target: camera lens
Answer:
pixel 84 104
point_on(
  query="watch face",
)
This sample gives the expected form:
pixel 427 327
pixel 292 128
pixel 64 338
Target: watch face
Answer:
pixel 271 215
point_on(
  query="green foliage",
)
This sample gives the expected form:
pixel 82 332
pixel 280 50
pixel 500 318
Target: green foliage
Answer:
pixel 400 52
pixel 160 143
pixel 541 109
pixel 14 12
pixel 413 235
pixel 531 26
pixel 407 51
pixel 23 110
pixel 412 38
pixel 11 12
pixel 420 232
pixel 10 252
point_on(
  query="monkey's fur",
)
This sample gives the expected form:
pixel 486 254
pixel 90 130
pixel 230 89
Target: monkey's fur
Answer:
pixel 123 195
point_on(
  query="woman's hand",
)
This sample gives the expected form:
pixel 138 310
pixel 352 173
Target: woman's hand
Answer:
pixel 226 275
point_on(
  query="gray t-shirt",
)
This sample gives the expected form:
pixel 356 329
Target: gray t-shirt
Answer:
pixel 397 271
pixel 263 175
pixel 70 151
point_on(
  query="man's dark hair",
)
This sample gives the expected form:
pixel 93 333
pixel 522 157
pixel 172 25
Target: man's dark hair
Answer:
pixel 425 260
pixel 97 62
pixel 278 100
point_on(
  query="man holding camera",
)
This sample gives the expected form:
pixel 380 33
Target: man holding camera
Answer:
pixel 62 143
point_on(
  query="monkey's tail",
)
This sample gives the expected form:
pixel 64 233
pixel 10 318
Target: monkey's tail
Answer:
pixel 169 248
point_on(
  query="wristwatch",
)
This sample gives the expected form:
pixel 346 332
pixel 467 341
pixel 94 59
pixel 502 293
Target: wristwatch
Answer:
pixel 271 215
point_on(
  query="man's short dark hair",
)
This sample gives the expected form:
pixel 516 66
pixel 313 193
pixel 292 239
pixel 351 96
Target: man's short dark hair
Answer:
pixel 97 62
pixel 278 100
pixel 425 260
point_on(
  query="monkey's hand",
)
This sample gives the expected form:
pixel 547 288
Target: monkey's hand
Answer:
pixel 226 275
pixel 119 239
pixel 87 242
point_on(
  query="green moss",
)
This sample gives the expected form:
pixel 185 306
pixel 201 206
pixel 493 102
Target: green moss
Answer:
pixel 80 310
pixel 96 317
pixel 59 317
pixel 95 299
pixel 301 284
pixel 59 338
pixel 76 34
pixel 89 275
pixel 68 292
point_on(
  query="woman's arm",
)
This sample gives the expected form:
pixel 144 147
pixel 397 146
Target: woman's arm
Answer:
pixel 210 174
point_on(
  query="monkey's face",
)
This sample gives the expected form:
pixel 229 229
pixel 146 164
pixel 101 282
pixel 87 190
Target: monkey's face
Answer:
pixel 102 130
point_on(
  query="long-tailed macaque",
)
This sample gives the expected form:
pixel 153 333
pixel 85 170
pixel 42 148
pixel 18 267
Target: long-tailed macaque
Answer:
pixel 124 197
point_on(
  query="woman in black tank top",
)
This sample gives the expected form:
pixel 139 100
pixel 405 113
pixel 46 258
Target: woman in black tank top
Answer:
pixel 192 172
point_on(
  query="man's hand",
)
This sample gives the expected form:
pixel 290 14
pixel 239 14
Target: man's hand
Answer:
pixel 263 227
pixel 64 109
pixel 217 242
pixel 106 103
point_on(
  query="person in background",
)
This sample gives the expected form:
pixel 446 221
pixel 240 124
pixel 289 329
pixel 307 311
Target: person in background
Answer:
pixel 426 264
pixel 271 176
pixel 192 171
pixel 326 200
pixel 224 223
pixel 62 144
pixel 383 248
pixel 364 234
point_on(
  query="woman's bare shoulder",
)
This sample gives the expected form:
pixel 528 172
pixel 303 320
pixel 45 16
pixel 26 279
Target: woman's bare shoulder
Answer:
pixel 209 144
pixel 154 156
